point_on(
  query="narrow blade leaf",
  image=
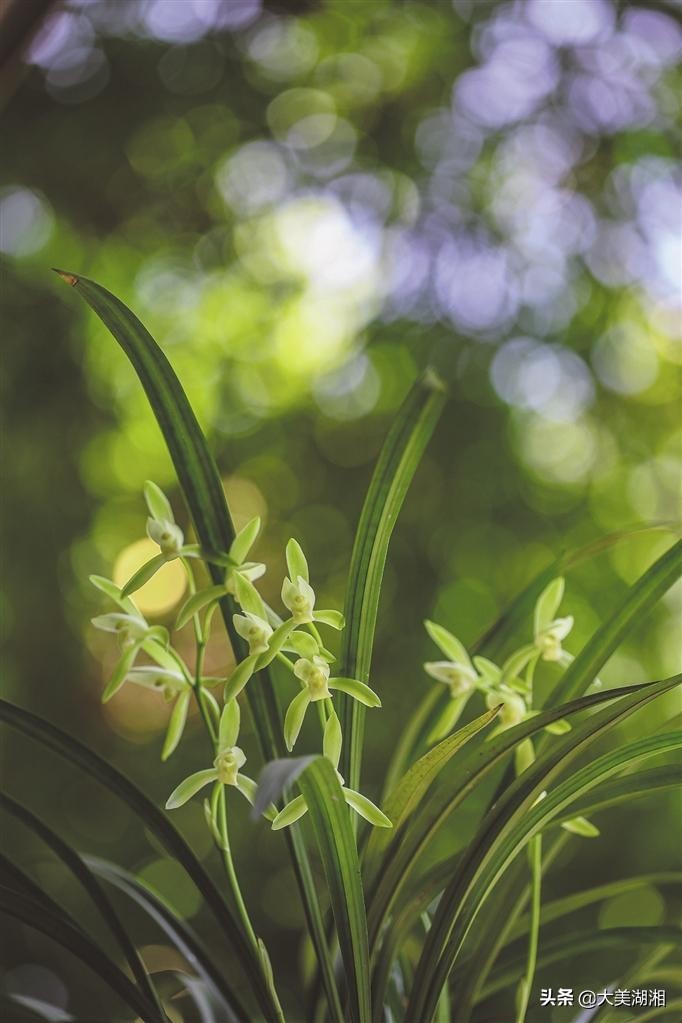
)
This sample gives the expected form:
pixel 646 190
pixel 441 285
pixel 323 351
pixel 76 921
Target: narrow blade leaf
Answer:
pixel 398 461
pixel 65 746
pixel 180 934
pixel 336 843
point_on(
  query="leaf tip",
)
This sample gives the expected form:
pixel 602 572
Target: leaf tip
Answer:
pixel 70 278
pixel 434 381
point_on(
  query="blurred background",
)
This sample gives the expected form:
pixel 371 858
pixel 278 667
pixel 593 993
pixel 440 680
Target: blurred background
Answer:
pixel 302 201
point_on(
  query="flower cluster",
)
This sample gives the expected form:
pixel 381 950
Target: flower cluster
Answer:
pixel 509 687
pixel 295 642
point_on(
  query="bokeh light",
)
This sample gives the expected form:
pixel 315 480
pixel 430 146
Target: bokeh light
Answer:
pixel 163 591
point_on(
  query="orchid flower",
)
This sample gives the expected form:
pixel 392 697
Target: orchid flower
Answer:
pixel 364 807
pixel 298 595
pixel 227 765
pixel 317 685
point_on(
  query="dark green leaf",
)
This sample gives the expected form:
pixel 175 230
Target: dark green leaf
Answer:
pixel 80 871
pixel 36 916
pixel 645 593
pixel 559 908
pixel 512 822
pixel 410 790
pixel 275 778
pixel 70 749
pixel 568 947
pixel 335 840
pixel 179 933
pixel 630 787
pixel 475 766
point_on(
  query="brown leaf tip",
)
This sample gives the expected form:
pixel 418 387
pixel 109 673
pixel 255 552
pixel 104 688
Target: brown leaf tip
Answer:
pixel 65 276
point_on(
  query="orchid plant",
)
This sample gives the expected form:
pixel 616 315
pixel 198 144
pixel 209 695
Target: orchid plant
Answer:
pixel 396 934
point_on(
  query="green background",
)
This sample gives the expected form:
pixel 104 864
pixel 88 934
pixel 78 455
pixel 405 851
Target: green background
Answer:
pixel 304 204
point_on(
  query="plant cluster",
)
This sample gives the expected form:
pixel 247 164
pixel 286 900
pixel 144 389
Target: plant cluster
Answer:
pixel 397 937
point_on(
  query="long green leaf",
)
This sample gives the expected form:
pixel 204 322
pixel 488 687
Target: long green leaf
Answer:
pixel 176 930
pixel 16 880
pixel 399 859
pixel 495 921
pixel 26 1009
pixel 512 823
pixel 567 947
pixel 410 790
pixel 397 463
pixel 513 889
pixel 196 470
pixel 80 871
pixel 203 491
pixel 329 817
pixel 619 790
pixel 94 766
pixel 36 916
pixel 559 908
pixel 645 593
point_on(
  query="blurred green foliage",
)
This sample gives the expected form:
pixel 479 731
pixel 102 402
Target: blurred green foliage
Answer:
pixel 305 203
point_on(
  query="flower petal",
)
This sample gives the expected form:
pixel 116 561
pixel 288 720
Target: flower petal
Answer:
pixel 333 739
pixel 143 574
pixel 292 812
pixel 488 670
pixel 158 504
pixel 275 643
pixel 302 643
pixel 248 596
pixel 547 604
pixel 358 690
pixel 333 618
pixel 296 561
pixel 189 787
pixel 167 535
pixel 294 718
pixel 559 727
pixel 239 677
pixel 449 644
pixel 228 730
pixel 113 591
pixel 447 719
pixel 518 661
pixel 244 540
pixel 581 826
pixel 120 672
pixel 197 602
pixel 176 725
pixel 366 808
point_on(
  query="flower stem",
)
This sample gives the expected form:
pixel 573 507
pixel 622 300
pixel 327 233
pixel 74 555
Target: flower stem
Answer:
pixel 535 856
pixel 201 638
pixel 230 871
pixel 535 859
pixel 239 898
